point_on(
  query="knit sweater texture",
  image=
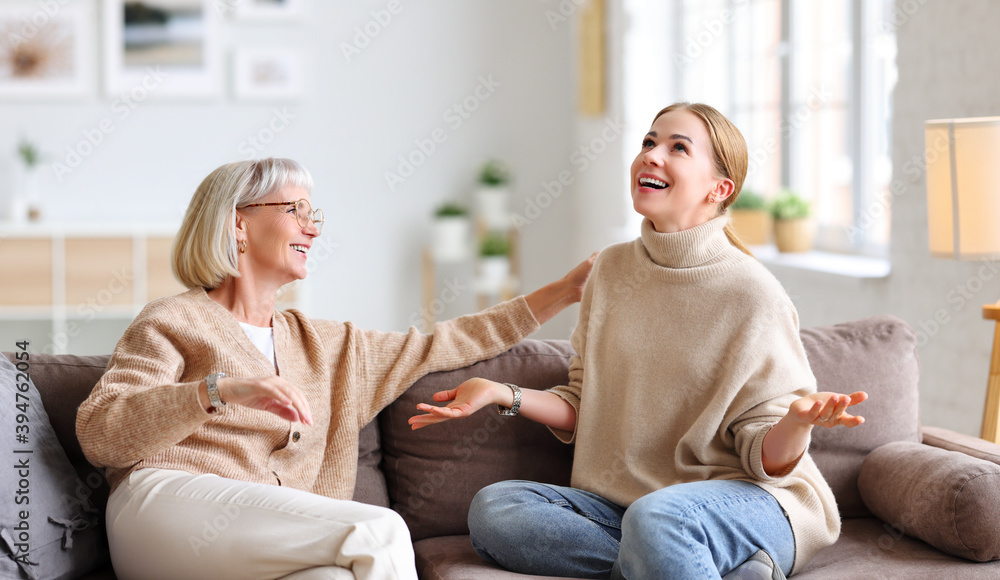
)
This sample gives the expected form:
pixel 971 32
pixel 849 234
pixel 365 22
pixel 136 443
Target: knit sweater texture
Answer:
pixel 688 353
pixel 145 411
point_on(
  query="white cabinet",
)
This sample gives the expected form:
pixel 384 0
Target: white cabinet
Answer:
pixel 75 289
pixel 70 288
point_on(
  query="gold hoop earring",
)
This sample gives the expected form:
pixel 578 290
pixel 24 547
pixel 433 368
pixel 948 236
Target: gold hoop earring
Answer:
pixel 243 246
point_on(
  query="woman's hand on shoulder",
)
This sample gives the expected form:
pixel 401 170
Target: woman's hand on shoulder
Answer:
pixel 464 400
pixel 554 297
pixel 827 409
pixel 577 277
pixel 272 394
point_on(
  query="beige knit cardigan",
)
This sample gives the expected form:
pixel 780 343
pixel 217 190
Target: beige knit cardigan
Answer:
pixel 145 411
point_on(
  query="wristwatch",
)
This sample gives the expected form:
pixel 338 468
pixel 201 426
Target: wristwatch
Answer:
pixel 517 402
pixel 211 381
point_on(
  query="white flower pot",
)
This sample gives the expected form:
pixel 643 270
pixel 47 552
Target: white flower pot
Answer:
pixel 451 238
pixel 493 205
pixel 30 191
pixel 494 272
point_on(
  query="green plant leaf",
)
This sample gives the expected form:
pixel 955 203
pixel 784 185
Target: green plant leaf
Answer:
pixel 747 199
pixel 494 172
pixel 789 205
pixel 450 209
pixel 494 244
pixel 28 153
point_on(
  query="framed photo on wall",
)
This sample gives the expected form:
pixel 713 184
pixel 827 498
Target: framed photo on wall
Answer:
pixel 268 9
pixel 267 74
pixel 162 48
pixel 46 51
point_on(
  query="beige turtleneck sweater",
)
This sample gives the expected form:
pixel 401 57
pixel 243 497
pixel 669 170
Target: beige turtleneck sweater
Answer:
pixel 145 410
pixel 689 352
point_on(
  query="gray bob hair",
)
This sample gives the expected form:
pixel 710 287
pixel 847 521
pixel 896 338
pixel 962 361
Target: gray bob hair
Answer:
pixel 204 251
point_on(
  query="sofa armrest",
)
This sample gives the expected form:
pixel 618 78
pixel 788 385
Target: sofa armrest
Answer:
pixel 945 498
pixel 974 446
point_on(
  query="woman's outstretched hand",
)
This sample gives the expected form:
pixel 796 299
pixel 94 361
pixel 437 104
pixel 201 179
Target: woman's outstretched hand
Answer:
pixel 827 409
pixel 463 400
pixel 788 439
pixel 553 298
pixel 272 394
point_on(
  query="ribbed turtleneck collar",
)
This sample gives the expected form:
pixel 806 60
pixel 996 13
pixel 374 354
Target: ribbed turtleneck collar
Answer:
pixel 698 246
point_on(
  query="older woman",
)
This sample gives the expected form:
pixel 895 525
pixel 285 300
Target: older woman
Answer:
pixel 229 430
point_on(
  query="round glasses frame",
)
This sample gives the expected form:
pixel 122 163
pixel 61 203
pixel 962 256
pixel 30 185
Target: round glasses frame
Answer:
pixel 304 214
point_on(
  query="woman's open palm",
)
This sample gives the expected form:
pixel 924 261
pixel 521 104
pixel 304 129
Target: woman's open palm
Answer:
pixel 465 399
pixel 828 409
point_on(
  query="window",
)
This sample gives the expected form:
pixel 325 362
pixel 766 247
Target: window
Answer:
pixel 808 83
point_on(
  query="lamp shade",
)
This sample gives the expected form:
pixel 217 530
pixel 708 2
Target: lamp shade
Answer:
pixel 963 187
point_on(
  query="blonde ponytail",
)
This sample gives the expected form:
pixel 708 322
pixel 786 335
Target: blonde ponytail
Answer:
pixel 735 240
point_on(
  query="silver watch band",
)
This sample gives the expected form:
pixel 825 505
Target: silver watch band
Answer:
pixel 516 407
pixel 212 384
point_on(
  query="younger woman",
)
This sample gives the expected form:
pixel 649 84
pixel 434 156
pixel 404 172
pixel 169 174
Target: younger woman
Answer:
pixel 690 401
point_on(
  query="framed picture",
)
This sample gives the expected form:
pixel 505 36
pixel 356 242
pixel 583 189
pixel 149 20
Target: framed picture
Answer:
pixel 162 48
pixel 268 9
pixel 46 51
pixel 267 74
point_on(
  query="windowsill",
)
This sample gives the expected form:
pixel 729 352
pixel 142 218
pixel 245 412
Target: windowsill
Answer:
pixel 852 266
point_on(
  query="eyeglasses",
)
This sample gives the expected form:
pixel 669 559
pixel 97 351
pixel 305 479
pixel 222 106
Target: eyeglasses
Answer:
pixel 304 213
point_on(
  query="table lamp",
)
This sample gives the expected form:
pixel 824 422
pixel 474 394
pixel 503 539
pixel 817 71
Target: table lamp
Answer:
pixel 963 204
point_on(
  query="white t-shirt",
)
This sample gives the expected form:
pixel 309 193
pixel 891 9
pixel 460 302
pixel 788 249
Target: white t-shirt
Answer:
pixel 263 339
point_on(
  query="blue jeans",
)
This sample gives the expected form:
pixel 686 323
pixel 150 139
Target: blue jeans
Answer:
pixel 690 530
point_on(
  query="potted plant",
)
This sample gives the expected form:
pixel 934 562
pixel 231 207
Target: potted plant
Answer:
pixel 451 231
pixel 25 204
pixel 794 229
pixel 493 196
pixel 751 218
pixel 494 264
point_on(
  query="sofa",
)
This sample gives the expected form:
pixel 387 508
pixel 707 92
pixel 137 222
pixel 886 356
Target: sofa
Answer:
pixel 916 502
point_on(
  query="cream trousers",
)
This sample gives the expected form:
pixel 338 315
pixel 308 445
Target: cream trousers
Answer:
pixel 167 524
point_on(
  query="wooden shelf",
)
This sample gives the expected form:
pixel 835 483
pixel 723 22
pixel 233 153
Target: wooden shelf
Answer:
pixel 67 275
pixel 484 299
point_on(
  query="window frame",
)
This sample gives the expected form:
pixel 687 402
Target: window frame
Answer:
pixel 866 99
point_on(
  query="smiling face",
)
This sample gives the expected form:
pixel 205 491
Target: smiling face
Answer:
pixel 276 245
pixel 674 176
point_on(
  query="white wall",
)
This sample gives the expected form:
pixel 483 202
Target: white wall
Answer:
pixel 355 119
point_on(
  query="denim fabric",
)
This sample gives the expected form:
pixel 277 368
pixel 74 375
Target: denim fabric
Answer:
pixel 691 530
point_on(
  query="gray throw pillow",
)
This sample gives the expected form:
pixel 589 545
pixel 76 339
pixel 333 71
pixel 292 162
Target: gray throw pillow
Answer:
pixel 48 528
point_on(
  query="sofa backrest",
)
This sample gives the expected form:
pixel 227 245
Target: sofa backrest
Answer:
pixel 433 473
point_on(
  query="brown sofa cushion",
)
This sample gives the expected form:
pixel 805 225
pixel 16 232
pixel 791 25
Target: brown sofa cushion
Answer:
pixel 944 498
pixel 434 472
pixel 877 355
pixel 870 549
